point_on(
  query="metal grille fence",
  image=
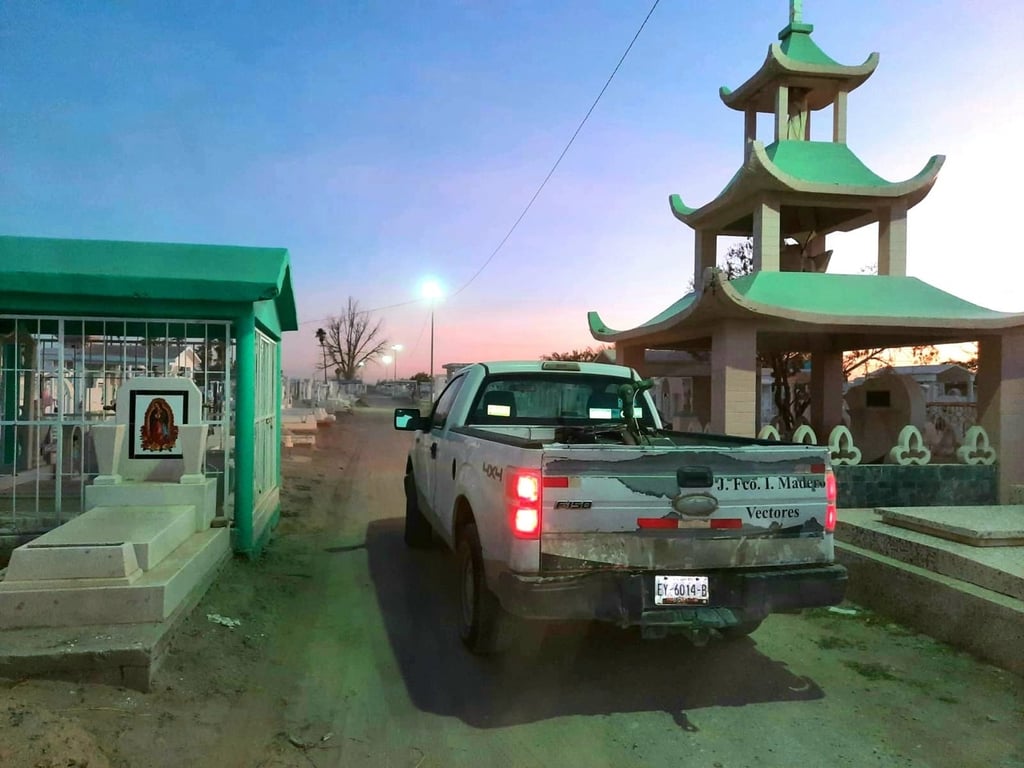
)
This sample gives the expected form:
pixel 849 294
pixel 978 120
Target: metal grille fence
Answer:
pixel 60 375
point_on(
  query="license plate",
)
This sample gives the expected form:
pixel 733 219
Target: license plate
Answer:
pixel 681 590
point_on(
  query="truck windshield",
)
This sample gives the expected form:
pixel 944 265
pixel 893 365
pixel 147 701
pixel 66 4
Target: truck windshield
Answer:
pixel 554 400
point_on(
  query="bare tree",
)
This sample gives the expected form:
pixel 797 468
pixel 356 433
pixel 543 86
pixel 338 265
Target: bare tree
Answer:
pixel 350 340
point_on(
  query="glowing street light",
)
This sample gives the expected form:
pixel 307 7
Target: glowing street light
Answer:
pixel 397 348
pixel 386 360
pixel 431 291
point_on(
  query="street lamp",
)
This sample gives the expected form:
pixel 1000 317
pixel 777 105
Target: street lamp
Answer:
pixel 321 334
pixel 431 290
pixel 386 360
pixel 397 348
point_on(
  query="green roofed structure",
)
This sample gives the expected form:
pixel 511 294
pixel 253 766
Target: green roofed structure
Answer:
pixel 79 319
pixel 788 196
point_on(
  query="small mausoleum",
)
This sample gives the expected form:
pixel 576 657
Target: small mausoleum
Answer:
pixel 140 399
pixel 788 196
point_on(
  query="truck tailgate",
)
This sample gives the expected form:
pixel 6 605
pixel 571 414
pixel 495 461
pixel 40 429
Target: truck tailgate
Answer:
pixel 678 508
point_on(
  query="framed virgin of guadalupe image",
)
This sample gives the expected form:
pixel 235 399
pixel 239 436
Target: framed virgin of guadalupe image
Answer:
pixel 153 419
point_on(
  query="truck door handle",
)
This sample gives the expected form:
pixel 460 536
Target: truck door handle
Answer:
pixel 433 450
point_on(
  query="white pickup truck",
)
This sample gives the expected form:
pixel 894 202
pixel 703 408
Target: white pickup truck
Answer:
pixel 565 498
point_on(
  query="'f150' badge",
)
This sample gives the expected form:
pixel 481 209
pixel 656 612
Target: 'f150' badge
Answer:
pixel 573 504
pixel 695 504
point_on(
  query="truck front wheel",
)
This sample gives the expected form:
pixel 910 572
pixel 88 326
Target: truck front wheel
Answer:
pixel 418 533
pixel 483 623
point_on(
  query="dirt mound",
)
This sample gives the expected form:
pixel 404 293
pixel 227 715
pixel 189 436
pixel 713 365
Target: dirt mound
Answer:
pixel 40 738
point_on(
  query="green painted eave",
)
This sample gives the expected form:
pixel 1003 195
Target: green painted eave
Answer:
pixel 819 168
pixel 798 61
pixel 823 162
pixel 806 303
pixel 48 276
pixel 796 43
pixel 874 297
pixel 597 326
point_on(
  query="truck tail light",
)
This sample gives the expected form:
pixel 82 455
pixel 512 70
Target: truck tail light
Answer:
pixel 523 497
pixel 831 494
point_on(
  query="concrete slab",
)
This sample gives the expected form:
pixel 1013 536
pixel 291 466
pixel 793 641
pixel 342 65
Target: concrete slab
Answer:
pixel 202 496
pixel 988 526
pixel 153 532
pixel 1000 569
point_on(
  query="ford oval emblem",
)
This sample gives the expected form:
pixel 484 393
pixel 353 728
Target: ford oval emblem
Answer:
pixel 695 504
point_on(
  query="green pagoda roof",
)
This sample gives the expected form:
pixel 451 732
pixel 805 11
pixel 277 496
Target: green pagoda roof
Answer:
pixel 171 280
pixel 819 168
pixel 797 61
pixel 849 308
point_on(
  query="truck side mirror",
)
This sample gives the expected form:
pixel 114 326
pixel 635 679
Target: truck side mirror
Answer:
pixel 409 420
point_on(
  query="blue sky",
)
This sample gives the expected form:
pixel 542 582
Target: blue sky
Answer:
pixel 385 143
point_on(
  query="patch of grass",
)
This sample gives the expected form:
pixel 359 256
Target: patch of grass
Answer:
pixel 949 699
pixel 832 642
pixel 871 670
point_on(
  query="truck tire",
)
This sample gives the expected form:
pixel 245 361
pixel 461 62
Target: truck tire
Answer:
pixel 483 623
pixel 740 630
pixel 418 533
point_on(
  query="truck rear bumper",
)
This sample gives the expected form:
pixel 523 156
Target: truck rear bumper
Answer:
pixel 627 598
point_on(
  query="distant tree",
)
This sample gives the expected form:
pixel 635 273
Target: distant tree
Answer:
pixel 971 363
pixel 351 339
pixel 421 376
pixel 587 355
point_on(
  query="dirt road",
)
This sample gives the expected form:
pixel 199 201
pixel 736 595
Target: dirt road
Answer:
pixel 347 656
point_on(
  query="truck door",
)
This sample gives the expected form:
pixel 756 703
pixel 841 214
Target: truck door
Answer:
pixel 430 449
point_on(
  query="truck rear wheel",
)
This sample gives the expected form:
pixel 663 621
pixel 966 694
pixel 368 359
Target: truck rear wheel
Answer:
pixel 418 533
pixel 483 623
pixel 742 629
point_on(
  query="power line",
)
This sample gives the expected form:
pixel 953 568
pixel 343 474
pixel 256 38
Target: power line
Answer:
pixel 563 153
pixel 543 184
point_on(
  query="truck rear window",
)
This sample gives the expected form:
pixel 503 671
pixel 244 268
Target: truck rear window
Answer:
pixel 553 400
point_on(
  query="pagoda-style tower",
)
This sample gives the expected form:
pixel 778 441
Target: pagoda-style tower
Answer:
pixel 788 196
pixel 797 189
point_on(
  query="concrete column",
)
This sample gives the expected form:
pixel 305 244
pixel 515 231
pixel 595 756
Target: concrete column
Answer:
pixel 705 245
pixel 826 392
pixel 9 358
pixel 767 235
pixel 749 126
pixel 631 356
pixel 782 113
pixel 1000 387
pixel 734 379
pixel 245 431
pixel 839 118
pixel 892 240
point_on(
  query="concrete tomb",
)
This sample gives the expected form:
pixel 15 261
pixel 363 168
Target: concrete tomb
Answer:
pixel 145 541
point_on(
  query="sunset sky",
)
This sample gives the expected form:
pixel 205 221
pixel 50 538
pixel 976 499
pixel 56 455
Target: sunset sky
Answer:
pixel 385 143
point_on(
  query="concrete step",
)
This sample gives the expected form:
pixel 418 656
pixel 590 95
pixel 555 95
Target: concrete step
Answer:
pixel 150 597
pixel 999 569
pixel 981 621
pixel 119 654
